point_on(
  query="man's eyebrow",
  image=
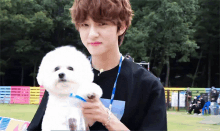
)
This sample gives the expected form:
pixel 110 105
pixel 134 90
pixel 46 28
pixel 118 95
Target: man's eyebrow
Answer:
pixel 85 20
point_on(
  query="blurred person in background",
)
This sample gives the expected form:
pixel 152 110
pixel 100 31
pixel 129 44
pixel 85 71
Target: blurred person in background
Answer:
pixel 199 106
pixel 192 105
pixel 188 97
pixel 214 94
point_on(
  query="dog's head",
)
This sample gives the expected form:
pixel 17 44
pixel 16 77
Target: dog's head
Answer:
pixel 63 69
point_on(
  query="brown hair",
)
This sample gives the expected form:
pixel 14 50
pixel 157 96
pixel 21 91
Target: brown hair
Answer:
pixel 116 11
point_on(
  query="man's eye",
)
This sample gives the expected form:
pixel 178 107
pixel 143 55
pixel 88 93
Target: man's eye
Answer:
pixel 70 68
pixel 101 24
pixel 84 24
pixel 56 69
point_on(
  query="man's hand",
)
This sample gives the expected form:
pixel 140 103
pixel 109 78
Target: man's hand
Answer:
pixel 94 110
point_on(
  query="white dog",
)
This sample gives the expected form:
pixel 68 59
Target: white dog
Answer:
pixel 63 71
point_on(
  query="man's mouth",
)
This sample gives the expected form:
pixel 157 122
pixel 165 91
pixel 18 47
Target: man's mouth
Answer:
pixel 95 43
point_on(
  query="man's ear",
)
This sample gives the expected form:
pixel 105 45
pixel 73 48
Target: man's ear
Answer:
pixel 122 29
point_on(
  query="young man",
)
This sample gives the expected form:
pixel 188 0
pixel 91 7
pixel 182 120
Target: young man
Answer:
pixel 102 25
pixel 133 98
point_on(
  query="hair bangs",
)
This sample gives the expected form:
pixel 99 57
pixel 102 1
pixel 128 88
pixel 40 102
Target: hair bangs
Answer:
pixel 115 11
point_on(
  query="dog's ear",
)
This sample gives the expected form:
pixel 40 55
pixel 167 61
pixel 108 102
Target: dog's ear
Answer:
pixel 41 70
pixel 39 78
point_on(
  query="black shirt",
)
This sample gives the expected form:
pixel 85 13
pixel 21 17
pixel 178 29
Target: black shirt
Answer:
pixel 194 101
pixel 139 100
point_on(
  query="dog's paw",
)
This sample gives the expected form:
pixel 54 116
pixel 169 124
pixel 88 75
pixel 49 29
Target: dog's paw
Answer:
pixel 90 91
pixel 72 124
pixel 91 96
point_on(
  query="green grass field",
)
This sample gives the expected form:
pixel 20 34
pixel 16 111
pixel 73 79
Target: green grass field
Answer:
pixel 180 121
pixel 177 121
pixel 21 112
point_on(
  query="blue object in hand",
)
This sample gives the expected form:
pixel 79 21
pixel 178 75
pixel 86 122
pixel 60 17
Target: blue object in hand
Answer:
pixel 78 97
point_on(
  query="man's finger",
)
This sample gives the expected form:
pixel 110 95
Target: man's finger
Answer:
pixel 89 111
pixel 89 105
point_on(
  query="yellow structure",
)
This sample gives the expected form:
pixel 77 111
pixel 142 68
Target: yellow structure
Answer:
pixel 170 91
pixel 34 95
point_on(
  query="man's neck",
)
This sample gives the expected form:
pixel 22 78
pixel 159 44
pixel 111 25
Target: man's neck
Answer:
pixel 106 62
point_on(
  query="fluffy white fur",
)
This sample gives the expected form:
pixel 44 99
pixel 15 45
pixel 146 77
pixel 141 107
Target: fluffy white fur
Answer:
pixel 79 81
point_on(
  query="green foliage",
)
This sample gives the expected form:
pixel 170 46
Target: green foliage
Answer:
pixel 31 28
pixel 162 30
pixel 207 25
pixel 207 36
pixel 3 64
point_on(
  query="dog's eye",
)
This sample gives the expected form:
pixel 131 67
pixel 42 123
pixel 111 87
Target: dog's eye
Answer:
pixel 57 68
pixel 70 68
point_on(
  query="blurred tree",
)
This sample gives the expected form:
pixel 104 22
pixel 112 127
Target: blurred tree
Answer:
pixel 207 37
pixel 164 30
pixel 161 33
pixel 31 28
pixel 26 23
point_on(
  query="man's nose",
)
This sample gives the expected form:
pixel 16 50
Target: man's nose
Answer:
pixel 93 32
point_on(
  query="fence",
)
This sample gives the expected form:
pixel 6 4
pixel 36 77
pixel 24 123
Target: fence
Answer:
pixel 5 94
pixel 175 97
pixel 33 95
pixel 21 94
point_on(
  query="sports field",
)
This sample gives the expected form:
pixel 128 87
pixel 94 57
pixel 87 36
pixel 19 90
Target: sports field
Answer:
pixel 177 121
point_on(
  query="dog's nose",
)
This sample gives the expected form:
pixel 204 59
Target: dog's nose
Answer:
pixel 61 75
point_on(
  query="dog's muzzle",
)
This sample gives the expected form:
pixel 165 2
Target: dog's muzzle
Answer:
pixel 61 75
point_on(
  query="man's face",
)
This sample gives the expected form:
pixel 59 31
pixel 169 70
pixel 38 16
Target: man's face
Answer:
pixel 99 38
